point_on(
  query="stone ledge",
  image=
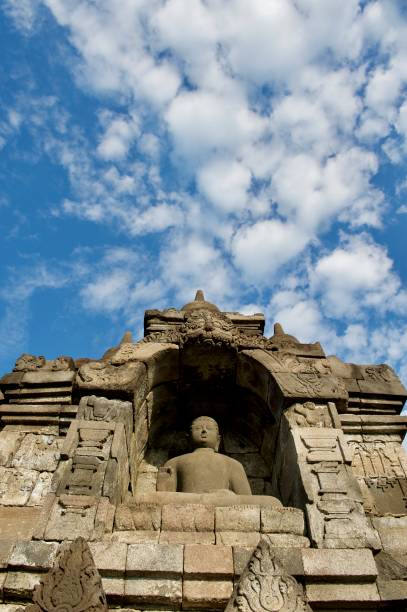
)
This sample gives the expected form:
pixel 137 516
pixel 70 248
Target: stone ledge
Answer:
pixel 343 565
pixel 166 592
pixel 207 499
pixel 150 559
pixel 187 537
pixel 282 520
pixel 136 537
pixel 237 518
pixel 237 538
pixel 206 594
pixel 393 590
pixel 20 585
pixel 208 561
pixel 31 555
pixel 339 594
pixel 188 517
pixel 109 557
pixel 281 540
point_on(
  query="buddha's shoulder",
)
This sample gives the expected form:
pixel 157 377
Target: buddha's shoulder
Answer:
pixel 233 463
pixel 179 458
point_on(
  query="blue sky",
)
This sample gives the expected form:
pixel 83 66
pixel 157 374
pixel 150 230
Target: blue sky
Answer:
pixel 252 148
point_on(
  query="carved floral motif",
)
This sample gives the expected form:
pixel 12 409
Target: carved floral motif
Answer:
pixel 265 586
pixel 72 585
pixel 31 363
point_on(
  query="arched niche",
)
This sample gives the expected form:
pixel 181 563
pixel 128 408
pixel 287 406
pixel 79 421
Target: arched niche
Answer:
pixel 205 380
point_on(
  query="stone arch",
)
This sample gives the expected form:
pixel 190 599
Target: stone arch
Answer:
pixel 182 383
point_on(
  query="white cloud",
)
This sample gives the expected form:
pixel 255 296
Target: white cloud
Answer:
pixel 202 123
pixel 225 183
pixel 120 132
pixel 247 130
pixel 260 249
pixel 356 275
pixel 23 12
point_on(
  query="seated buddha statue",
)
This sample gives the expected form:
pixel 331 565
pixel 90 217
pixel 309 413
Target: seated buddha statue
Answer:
pixel 204 470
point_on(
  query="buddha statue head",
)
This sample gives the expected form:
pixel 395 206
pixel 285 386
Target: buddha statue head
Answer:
pixel 205 433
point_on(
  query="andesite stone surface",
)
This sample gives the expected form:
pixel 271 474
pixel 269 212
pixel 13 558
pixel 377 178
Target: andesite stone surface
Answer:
pixel 203 467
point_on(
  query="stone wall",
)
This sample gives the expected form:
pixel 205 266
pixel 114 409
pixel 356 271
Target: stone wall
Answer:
pixel 81 443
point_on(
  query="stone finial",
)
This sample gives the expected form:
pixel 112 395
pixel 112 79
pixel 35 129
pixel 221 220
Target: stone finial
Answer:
pixel 72 585
pixel 280 335
pixel 200 303
pixel 278 329
pixel 127 338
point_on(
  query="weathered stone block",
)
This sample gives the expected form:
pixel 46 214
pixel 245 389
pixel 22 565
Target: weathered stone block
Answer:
pixel 211 561
pixel 123 519
pixel 211 594
pixel 114 589
pixel 73 515
pixel 20 585
pixel 392 531
pixel 284 520
pixel 144 517
pixel 136 537
pixel 356 565
pixel 7 607
pixel 188 517
pixel 238 538
pixel 100 376
pixel 393 590
pixel 33 554
pixel 38 452
pixel 311 386
pixel 3 576
pixel 104 518
pixel 146 482
pixel 109 557
pixel 187 537
pixel 42 487
pixel 95 408
pixel 339 594
pixel 290 559
pixel 281 540
pixel 6 547
pixel 48 377
pixel 237 518
pixel 9 443
pixel 18 522
pixel 148 558
pixel 16 485
pixel 241 556
pixel 153 591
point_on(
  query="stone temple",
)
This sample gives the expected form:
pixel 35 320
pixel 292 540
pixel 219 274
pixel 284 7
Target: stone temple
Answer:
pixel 203 467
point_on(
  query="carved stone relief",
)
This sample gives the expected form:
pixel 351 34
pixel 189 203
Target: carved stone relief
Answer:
pixel 94 408
pixel 333 496
pixel 264 586
pixel 381 468
pixel 31 363
pixel 96 460
pixel 72 585
pixel 310 414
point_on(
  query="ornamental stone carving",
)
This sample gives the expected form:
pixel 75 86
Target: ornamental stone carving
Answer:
pixel 72 585
pixel 264 586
